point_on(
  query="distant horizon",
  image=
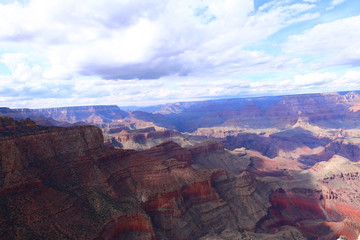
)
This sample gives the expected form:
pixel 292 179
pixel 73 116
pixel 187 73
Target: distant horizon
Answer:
pixel 143 53
pixel 155 105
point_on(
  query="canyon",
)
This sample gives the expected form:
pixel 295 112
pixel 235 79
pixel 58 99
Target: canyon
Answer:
pixel 284 167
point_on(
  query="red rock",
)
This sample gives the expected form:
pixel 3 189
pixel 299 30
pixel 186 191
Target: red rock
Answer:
pixel 128 227
pixel 64 183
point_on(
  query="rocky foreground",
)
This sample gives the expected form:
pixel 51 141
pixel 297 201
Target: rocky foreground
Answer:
pixel 64 183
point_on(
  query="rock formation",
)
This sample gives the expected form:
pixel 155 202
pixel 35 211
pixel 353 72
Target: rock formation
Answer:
pixel 328 110
pixel 61 183
pixel 271 168
pixel 145 138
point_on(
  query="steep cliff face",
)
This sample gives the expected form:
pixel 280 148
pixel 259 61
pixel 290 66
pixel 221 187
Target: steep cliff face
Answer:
pixel 50 187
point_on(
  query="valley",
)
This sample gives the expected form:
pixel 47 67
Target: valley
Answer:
pixel 285 167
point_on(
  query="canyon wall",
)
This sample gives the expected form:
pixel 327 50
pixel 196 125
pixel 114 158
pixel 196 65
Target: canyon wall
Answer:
pixel 61 183
pixel 329 110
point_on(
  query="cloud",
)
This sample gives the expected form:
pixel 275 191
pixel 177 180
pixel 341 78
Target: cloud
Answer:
pixel 311 1
pixel 337 2
pixel 314 79
pixel 334 43
pixel 26 80
pixel 142 40
pixel 87 91
pixel 334 3
pixel 61 53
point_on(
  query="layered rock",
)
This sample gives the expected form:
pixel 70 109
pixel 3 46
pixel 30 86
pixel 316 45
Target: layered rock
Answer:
pixel 58 183
pixel 61 183
pixel 322 202
pixel 328 110
pixel 284 233
pixel 145 138
pixel 335 110
pixel 9 126
pixel 50 186
pixel 211 155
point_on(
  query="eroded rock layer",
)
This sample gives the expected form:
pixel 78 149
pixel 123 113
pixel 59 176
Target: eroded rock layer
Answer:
pixel 63 183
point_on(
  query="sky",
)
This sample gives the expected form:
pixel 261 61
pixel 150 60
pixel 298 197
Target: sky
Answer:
pixel 147 52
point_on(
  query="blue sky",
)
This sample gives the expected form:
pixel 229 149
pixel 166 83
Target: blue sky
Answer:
pixel 140 52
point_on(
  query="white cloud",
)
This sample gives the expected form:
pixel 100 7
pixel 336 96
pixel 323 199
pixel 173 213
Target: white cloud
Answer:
pixel 335 43
pixel 22 71
pixel 311 1
pixel 143 39
pixel 86 91
pixel 334 3
pixel 337 2
pixel 187 49
pixel 314 79
pixel 309 83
